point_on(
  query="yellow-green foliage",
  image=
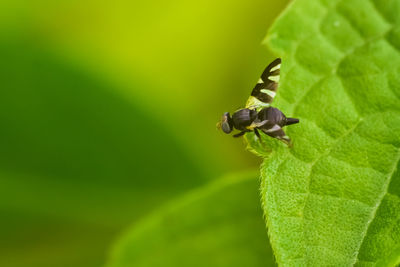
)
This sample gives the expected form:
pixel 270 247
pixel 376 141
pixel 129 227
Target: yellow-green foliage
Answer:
pixel 218 225
pixel 334 198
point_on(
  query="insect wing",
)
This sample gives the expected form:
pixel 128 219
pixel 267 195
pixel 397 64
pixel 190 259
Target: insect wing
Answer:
pixel 265 89
pixel 277 132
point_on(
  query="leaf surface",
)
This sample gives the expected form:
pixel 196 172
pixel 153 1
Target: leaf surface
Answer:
pixel 333 198
pixel 218 225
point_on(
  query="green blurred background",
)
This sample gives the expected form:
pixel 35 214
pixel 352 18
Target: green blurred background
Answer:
pixel 108 110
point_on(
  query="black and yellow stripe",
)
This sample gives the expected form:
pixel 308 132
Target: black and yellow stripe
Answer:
pixel 266 88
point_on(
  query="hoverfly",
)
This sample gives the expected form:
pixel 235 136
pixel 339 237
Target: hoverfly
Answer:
pixel 258 114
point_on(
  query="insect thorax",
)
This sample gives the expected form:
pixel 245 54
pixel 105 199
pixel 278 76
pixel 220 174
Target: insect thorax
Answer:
pixel 243 118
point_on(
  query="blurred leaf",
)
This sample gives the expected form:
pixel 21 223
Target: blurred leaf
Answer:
pixel 77 161
pixel 334 198
pixel 201 58
pixel 79 158
pixel 217 225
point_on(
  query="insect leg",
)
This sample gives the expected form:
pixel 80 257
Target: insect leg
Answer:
pixel 258 135
pixel 239 134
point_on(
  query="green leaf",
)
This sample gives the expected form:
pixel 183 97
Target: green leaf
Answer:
pixel 334 197
pixel 218 225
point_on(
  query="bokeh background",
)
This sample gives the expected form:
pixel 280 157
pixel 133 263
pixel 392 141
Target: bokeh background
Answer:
pixel 108 110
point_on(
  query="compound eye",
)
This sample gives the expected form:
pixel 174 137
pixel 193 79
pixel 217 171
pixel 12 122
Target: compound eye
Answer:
pixel 225 123
pixel 226 128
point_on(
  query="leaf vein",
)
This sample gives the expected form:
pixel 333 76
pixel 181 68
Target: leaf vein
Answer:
pixel 315 161
pixel 378 203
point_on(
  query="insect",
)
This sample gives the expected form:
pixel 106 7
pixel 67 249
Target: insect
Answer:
pixel 258 114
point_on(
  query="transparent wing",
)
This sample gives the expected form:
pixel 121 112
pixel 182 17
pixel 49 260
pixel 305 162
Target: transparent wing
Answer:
pixel 265 89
